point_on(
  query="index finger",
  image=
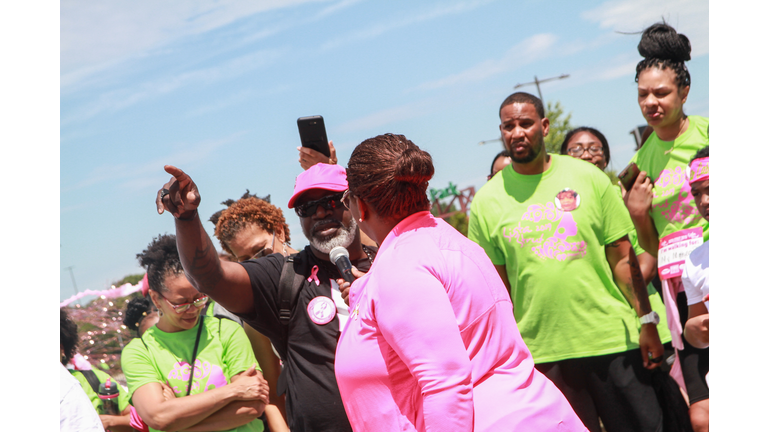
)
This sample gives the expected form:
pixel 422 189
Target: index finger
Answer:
pixel 181 177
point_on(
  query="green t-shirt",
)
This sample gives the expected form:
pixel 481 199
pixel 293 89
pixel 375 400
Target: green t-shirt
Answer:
pixel 673 207
pixel 565 300
pixel 224 351
pixel 123 399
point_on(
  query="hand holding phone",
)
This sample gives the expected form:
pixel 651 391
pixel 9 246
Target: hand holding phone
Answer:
pixel 628 176
pixel 312 134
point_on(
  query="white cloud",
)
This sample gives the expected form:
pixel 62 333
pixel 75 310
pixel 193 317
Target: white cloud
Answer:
pixel 386 116
pixel 374 30
pixel 98 35
pixel 125 97
pixel 531 49
pixel 690 17
pixel 142 175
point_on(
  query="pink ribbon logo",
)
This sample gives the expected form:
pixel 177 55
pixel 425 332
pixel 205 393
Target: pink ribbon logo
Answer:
pixel 313 276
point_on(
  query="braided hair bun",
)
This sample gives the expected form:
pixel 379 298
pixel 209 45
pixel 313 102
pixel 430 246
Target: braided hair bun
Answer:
pixel 391 174
pixel 663 42
pixel 664 48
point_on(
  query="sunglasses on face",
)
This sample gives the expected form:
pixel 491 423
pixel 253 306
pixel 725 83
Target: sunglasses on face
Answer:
pixel 179 309
pixel 266 250
pixel 579 150
pixel 330 202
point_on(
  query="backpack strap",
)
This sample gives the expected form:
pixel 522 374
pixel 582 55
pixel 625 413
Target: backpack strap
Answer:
pixel 93 380
pixel 288 287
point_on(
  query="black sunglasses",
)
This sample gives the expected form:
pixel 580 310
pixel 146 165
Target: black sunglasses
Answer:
pixel 330 202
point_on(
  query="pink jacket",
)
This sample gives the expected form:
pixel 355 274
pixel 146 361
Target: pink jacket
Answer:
pixel 432 344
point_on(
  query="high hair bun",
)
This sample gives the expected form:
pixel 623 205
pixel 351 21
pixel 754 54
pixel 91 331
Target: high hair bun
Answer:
pixel 663 42
pixel 414 166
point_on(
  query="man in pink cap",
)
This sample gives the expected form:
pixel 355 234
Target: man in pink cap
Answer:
pixel 295 301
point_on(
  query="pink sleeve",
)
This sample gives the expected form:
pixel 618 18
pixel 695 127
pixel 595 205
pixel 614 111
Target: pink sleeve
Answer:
pixel 415 317
pixel 136 421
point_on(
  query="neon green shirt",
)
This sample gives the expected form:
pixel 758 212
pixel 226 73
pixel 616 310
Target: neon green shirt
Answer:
pixel 224 351
pixel 122 398
pixel 565 300
pixel 673 207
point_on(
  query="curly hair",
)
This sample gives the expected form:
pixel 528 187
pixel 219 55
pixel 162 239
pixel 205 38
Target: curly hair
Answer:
pixel 215 217
pixel 135 312
pixel 703 153
pixel 248 211
pixel 67 337
pixel 160 258
pixel 662 47
pixel 391 174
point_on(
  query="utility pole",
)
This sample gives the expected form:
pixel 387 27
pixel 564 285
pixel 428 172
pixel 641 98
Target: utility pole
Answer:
pixel 538 81
pixel 73 278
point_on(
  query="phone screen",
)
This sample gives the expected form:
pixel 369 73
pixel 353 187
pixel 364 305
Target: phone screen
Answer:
pixel 312 134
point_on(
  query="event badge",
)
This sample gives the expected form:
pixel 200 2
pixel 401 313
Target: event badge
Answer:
pixel 567 200
pixel 675 248
pixel 321 310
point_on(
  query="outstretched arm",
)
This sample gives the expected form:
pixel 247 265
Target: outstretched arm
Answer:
pixel 225 282
pixel 629 279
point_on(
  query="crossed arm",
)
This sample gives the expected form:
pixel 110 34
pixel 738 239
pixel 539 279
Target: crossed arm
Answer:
pixel 227 407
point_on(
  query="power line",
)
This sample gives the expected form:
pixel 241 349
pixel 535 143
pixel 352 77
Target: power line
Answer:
pixel 538 81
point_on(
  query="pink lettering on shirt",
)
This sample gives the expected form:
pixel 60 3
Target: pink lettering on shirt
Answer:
pixel 678 207
pixel 542 240
pixel 203 369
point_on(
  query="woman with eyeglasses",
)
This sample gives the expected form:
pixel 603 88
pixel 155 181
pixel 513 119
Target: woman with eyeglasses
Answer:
pixel 205 363
pixel 432 342
pixel 590 145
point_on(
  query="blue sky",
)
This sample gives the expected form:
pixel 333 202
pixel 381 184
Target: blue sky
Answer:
pixel 215 88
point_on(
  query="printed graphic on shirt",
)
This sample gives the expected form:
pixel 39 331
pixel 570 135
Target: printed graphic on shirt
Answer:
pixel 567 200
pixel 545 230
pixel 321 310
pixel 675 248
pixel 678 207
pixel 208 376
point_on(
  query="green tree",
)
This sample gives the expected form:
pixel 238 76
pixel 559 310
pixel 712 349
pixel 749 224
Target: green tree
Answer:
pixel 458 220
pixel 131 279
pixel 559 125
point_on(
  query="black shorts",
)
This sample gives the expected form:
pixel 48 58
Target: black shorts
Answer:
pixel 693 361
pixel 615 388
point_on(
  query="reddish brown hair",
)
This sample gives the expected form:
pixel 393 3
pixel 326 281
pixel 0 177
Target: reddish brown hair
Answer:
pixel 391 174
pixel 247 211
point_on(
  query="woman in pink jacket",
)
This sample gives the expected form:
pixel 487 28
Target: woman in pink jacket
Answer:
pixel 431 342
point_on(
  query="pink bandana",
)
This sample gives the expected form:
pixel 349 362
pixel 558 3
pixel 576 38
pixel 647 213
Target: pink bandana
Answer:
pixel 699 170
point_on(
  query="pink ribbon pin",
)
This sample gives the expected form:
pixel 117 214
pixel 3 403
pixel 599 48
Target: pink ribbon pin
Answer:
pixel 313 276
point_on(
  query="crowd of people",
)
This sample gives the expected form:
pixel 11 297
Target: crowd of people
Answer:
pixel 573 304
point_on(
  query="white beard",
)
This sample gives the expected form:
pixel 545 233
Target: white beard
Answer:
pixel 344 237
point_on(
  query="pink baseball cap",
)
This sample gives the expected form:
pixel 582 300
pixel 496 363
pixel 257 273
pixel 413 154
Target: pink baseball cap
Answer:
pixel 320 176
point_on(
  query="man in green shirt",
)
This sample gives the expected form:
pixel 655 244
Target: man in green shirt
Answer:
pixel 556 232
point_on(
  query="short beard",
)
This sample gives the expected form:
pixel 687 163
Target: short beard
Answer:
pixel 533 154
pixel 344 236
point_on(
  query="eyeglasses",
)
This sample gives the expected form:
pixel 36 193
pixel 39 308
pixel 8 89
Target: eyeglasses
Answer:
pixel 579 150
pixel 329 202
pixel 266 250
pixel 345 198
pixel 179 309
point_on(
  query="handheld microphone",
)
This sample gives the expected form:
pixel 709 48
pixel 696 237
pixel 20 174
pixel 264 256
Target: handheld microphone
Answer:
pixel 340 256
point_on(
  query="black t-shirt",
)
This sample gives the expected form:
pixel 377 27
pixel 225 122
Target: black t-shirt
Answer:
pixel 313 402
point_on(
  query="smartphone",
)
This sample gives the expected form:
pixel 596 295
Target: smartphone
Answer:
pixel 312 134
pixel 628 176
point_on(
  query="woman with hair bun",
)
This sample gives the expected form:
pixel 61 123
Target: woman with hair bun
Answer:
pixel 660 202
pixel 431 342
